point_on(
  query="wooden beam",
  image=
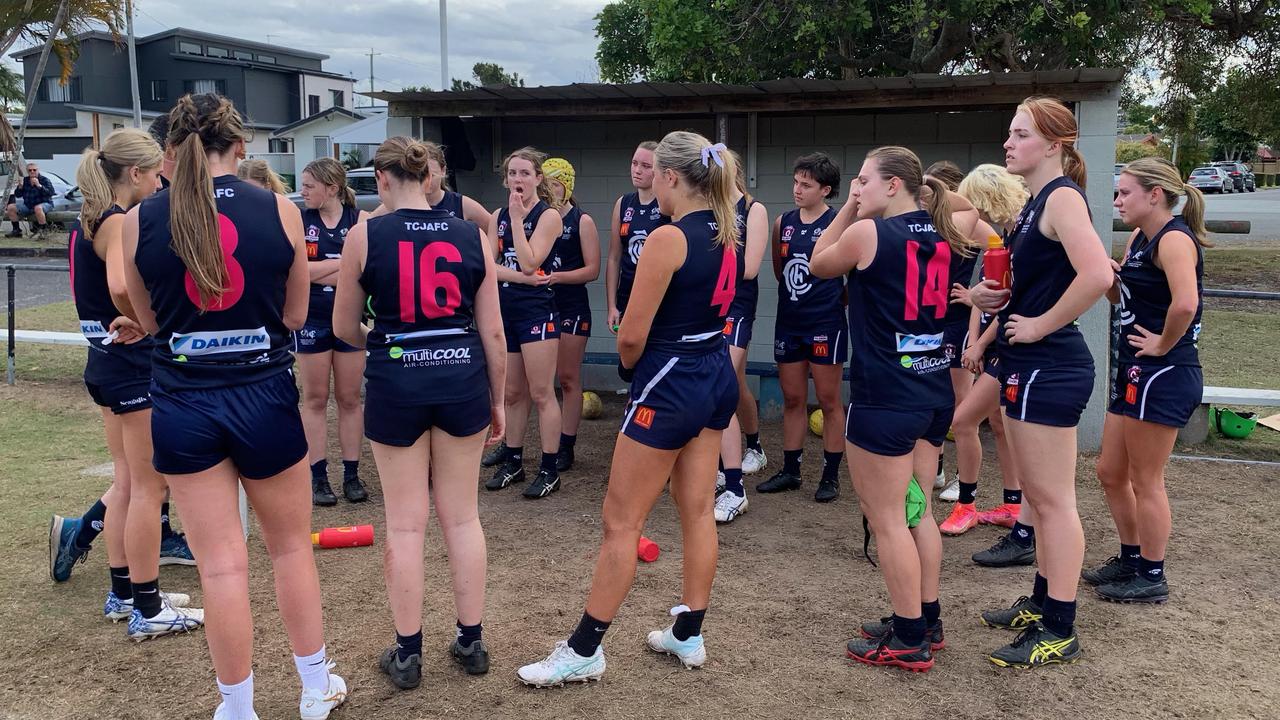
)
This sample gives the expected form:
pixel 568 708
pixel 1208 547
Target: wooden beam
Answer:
pixel 949 98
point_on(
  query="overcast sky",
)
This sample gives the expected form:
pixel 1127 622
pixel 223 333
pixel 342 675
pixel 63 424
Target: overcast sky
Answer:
pixel 548 42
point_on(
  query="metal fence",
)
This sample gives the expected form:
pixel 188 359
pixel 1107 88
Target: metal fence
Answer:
pixel 11 274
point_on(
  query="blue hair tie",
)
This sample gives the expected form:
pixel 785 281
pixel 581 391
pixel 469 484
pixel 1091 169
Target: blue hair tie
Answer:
pixel 711 152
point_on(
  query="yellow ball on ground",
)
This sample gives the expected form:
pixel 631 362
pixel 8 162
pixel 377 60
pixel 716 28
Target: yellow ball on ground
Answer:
pixel 592 408
pixel 815 422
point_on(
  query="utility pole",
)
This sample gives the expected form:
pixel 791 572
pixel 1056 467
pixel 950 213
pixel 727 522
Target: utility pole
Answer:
pixel 371 54
pixel 133 67
pixel 444 45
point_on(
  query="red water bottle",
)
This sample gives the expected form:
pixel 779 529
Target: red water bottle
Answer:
pixel 340 537
pixel 995 263
pixel 647 550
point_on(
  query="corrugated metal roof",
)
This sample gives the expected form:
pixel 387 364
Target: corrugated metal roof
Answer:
pixel 478 100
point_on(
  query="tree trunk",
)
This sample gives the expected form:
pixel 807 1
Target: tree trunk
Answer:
pixel 31 93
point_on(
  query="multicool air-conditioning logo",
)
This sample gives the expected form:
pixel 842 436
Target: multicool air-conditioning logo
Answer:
pixel 924 365
pixel 430 357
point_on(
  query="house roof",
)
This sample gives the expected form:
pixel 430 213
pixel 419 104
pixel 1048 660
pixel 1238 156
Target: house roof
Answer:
pixel 106 110
pixel 185 32
pixel 322 115
pixel 90 35
pixel 785 95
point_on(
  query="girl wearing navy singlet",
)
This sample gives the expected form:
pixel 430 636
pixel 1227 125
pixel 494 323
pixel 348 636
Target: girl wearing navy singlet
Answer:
pixel 1158 383
pixel 216 269
pixel 575 262
pixel 753 229
pixel 117 374
pixel 898 257
pixel 523 235
pixel 440 196
pixel 671 348
pixel 810 337
pixel 1060 269
pixel 435 378
pixel 635 216
pixel 329 215
pixel 998 196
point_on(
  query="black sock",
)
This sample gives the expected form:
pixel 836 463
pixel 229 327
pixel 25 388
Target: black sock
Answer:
pixel 968 493
pixel 1130 554
pixel 939 463
pixel 165 528
pixel 753 440
pixel 688 624
pixel 16 226
pixel 120 583
pixel 831 464
pixel 146 598
pixel 320 470
pixel 909 630
pixel 1059 616
pixel 1152 570
pixel 408 645
pixel 549 461
pixel 1013 497
pixel 90 525
pixel 720 464
pixel 932 611
pixel 1039 590
pixel 1023 535
pixel 350 469
pixel 586 638
pixel 791 461
pixel 467 634
pixel 733 481
pixel 568 441
pixel 515 455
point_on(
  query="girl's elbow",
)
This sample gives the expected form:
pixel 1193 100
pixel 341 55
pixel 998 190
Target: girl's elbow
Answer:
pixel 294 320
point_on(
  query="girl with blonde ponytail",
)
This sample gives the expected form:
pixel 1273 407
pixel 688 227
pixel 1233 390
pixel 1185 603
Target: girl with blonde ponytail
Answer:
pixel 1158 383
pixel 1061 269
pixel 899 258
pixel 329 214
pixel 258 172
pixel 216 269
pixel 671 348
pixel 117 373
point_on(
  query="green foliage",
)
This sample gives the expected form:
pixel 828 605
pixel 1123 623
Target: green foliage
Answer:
pixel 1127 152
pixel 488 75
pixel 11 94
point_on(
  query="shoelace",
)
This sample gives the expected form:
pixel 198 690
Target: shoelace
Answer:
pixel 1026 636
pixel 1019 601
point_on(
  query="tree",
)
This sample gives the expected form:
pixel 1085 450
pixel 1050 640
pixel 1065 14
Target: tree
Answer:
pixel 1127 152
pixel 1242 112
pixel 488 75
pixel 10 89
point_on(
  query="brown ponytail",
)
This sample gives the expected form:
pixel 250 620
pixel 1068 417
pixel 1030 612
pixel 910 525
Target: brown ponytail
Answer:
pixel 1055 122
pixel 328 171
pixel 894 161
pixel 404 158
pixel 535 157
pixel 199 125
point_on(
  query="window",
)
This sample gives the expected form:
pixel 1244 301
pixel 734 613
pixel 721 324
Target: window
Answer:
pixel 217 52
pixel 322 146
pixel 55 92
pixel 197 87
pixel 267 59
pixel 158 90
pixel 278 145
pixel 363 184
pixel 313 105
pixel 190 48
pixel 243 55
pixel 338 98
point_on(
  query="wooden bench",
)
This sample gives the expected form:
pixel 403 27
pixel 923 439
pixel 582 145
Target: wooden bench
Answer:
pixel 1197 428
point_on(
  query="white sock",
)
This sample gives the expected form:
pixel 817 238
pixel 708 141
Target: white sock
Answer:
pixel 238 699
pixel 314 670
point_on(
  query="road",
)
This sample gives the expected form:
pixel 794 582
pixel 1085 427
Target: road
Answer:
pixel 38 287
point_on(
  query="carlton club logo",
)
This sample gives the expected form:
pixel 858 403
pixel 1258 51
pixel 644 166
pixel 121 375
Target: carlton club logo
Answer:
pixel 636 244
pixel 795 274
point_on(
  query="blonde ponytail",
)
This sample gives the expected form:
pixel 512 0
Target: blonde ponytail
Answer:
pixel 100 171
pixel 96 188
pixel 711 170
pixel 1152 173
pixel 1193 215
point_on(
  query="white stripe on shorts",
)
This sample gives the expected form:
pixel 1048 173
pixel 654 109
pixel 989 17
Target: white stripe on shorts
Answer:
pixel 1142 408
pixel 702 336
pixel 647 388
pixel 1026 393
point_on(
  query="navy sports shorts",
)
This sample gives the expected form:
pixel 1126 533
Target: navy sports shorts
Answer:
pixel 402 425
pixel 256 426
pixel 122 398
pixel 575 322
pixel 318 337
pixel 1165 395
pixel 521 332
pixel 955 338
pixel 825 347
pixel 893 433
pixel 991 364
pixel 674 398
pixel 1053 396
pixel 119 381
pixel 737 330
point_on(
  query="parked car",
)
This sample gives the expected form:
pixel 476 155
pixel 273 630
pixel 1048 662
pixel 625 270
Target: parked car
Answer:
pixel 1211 179
pixel 361 180
pixel 1241 176
pixel 1115 181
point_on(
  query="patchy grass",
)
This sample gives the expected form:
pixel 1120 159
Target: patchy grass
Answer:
pixel 1242 268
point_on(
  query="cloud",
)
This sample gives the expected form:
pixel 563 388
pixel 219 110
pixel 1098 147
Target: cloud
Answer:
pixel 548 42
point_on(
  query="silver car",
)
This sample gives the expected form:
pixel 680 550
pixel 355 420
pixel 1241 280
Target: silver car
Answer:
pixel 1211 180
pixel 360 180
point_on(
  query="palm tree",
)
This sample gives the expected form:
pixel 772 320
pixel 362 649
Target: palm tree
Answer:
pixel 55 24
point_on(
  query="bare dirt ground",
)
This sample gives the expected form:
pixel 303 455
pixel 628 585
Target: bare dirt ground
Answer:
pixel 792 587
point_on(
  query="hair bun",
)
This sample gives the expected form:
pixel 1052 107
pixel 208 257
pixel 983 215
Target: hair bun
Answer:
pixel 416 157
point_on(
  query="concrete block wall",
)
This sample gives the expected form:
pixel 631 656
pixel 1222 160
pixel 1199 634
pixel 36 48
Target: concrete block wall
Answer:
pixel 600 150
